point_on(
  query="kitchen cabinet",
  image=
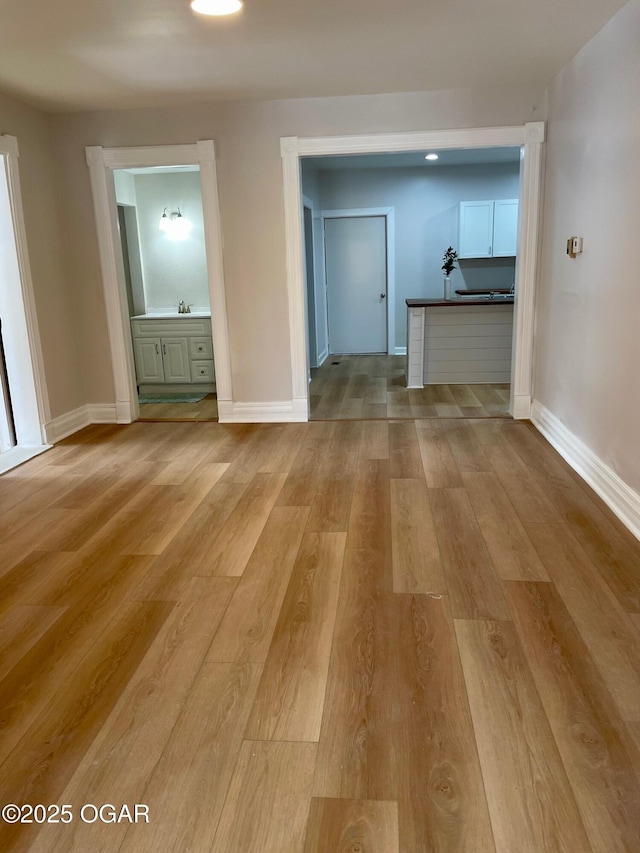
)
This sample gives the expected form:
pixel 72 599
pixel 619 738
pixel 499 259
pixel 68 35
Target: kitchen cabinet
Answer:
pixel 173 351
pixel 488 229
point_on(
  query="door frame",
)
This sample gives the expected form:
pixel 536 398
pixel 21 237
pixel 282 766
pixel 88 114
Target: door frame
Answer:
pixel 25 363
pixel 530 137
pixel 102 162
pixel 390 238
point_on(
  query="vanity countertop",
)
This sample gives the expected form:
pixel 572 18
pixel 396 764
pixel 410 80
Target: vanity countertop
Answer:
pixel 194 315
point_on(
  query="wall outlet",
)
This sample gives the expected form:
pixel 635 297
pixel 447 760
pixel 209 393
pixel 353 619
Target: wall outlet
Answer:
pixel 574 246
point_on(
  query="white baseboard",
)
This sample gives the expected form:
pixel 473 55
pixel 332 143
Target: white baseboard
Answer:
pixel 400 351
pixel 103 413
pixel 324 355
pixel 618 496
pixel 521 407
pixel 67 424
pixel 283 411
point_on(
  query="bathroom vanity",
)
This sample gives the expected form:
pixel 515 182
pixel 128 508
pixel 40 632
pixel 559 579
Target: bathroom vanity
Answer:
pixel 173 352
pixel 459 341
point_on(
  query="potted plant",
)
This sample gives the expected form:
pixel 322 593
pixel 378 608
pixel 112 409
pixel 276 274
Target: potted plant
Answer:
pixel 449 265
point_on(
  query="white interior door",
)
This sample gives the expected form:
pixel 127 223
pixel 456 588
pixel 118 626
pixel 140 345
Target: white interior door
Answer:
pixel 356 270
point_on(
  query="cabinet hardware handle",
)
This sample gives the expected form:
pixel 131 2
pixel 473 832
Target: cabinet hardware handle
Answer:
pixel 157 349
pixel 164 348
pixel 382 295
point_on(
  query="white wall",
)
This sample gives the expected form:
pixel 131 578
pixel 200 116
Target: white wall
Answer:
pixel 173 270
pixel 588 309
pixel 426 218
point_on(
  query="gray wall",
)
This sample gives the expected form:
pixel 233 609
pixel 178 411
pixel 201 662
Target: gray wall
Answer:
pixel 247 137
pixel 56 296
pixel 588 309
pixel 426 218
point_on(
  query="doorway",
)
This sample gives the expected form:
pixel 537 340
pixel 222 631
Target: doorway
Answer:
pixel 161 225
pixel 203 346
pixel 528 138
pixel 24 407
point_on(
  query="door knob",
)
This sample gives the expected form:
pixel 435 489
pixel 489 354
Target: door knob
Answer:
pixel 382 295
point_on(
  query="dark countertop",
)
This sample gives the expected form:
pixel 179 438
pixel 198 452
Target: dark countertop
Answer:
pixel 456 303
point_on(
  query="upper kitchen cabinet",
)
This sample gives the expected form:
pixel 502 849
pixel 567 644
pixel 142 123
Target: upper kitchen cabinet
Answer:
pixel 488 229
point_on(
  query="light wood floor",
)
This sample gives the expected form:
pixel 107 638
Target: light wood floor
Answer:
pixel 350 387
pixel 390 637
pixel 205 410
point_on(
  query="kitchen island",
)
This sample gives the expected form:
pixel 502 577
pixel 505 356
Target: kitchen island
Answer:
pixel 466 340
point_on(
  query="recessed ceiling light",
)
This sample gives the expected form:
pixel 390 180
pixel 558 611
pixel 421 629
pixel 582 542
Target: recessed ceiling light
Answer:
pixel 216 7
pixel 431 157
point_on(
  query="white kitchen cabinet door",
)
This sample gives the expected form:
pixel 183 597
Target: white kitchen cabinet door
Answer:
pixel 505 228
pixel 476 229
pixel 148 357
pixel 175 356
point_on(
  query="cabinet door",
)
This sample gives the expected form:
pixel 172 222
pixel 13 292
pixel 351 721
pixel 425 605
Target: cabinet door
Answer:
pixel 175 356
pixel 148 358
pixel 505 228
pixel 476 229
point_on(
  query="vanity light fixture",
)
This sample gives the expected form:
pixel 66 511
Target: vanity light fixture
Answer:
pixel 431 157
pixel 174 224
pixel 216 7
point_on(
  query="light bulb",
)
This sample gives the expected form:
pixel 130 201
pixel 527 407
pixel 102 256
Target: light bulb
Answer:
pixel 431 157
pixel 216 7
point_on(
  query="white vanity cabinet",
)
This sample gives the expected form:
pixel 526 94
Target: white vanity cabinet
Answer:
pixel 173 351
pixel 488 229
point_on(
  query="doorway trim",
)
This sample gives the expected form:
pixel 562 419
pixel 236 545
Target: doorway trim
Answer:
pixel 102 162
pixel 530 137
pixel 25 363
pixel 390 243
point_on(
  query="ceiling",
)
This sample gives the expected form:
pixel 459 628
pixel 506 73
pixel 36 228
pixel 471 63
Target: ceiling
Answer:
pixel 415 159
pixel 93 54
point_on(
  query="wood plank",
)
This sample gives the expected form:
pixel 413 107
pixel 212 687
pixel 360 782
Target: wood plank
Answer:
pixel 511 550
pixel 231 549
pixel 405 461
pixel 366 826
pixel 123 755
pixel 375 440
pixel 417 564
pixel 369 521
pixel 356 759
pixel 40 766
pixel 336 476
pixel 528 498
pixel 604 626
pixel 290 698
pixel 268 800
pixel 20 629
pixel 45 670
pixel 465 447
pixel 440 469
pixel 531 803
pixel 441 794
pixel 248 624
pixel 136 530
pixel 188 788
pixel 474 589
pixel 601 760
pixel 301 483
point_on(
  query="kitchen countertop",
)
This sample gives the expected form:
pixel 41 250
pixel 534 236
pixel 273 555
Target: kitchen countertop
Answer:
pixel 458 302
